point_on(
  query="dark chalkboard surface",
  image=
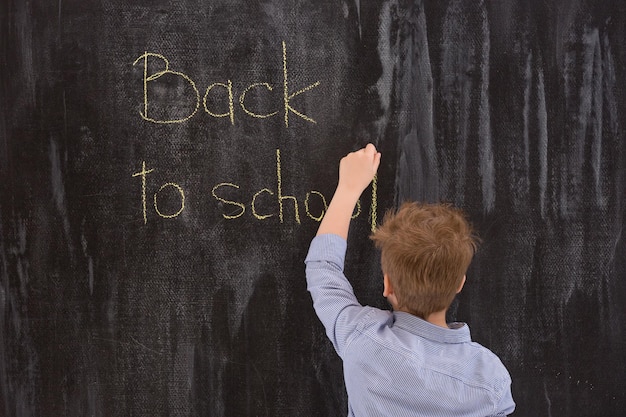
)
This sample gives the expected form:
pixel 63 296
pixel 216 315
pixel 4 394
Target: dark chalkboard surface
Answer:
pixel 164 165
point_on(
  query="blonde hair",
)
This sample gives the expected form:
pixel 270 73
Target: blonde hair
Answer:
pixel 425 250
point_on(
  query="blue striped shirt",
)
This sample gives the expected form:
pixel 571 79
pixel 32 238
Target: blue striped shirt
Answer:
pixel 396 364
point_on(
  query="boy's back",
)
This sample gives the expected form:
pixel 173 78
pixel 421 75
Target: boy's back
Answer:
pixel 397 363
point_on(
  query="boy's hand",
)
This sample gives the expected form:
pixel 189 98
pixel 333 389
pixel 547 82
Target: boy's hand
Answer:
pixel 357 169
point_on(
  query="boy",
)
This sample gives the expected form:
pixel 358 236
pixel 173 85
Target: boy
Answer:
pixel 408 362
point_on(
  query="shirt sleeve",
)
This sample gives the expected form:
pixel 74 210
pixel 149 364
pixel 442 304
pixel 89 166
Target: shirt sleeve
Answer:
pixel 507 405
pixel 333 297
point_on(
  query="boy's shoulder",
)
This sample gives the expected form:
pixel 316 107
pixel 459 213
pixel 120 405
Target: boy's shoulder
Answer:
pixel 485 357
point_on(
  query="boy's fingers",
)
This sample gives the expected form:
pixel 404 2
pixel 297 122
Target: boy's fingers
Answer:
pixel 376 161
pixel 370 149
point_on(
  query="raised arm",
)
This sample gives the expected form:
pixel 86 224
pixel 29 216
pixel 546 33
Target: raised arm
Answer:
pixel 333 297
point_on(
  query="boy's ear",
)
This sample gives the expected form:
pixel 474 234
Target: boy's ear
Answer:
pixel 388 292
pixel 387 287
pixel 462 284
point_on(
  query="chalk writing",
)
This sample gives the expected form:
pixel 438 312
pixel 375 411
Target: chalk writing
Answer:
pixel 173 97
pixel 143 173
pixel 242 98
pixel 287 96
pixel 182 200
pixel 374 216
pixel 265 197
pixel 306 205
pixel 223 200
pixel 253 204
pixel 265 203
pixel 231 111
pixel 153 77
pixel 282 197
pixel 163 106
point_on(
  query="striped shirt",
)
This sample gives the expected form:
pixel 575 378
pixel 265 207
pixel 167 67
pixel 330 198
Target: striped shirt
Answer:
pixel 396 364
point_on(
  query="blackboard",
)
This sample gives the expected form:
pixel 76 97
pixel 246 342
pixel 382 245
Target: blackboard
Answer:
pixel 164 165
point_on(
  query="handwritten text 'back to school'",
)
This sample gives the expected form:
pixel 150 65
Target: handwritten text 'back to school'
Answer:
pixel 223 192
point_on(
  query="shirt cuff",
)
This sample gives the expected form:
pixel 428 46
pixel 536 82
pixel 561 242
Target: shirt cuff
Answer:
pixel 328 247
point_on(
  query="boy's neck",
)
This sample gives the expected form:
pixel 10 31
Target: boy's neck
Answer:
pixel 438 319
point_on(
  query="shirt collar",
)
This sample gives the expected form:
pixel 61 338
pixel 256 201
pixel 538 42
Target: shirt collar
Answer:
pixel 456 333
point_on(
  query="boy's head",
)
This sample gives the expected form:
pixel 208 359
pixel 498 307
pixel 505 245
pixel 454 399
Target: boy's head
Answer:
pixel 425 252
